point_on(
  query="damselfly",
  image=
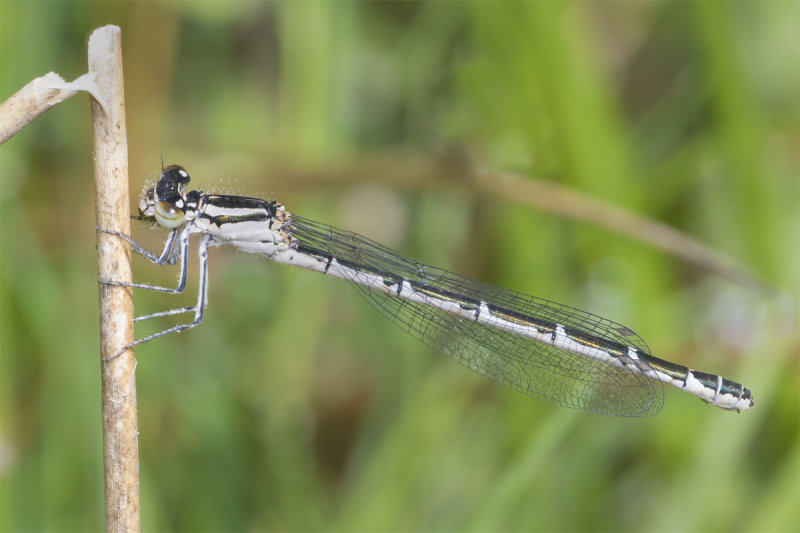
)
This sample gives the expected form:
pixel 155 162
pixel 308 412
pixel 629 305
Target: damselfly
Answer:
pixel 548 351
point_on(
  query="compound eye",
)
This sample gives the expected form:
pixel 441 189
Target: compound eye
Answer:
pixel 169 210
pixel 173 178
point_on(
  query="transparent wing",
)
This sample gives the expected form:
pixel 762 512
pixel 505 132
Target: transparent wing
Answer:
pixel 533 368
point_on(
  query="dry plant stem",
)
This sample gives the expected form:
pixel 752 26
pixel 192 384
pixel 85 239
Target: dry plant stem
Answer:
pixel 563 201
pixel 35 98
pixel 120 444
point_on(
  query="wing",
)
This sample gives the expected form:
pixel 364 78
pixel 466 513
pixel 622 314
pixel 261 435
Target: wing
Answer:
pixel 565 377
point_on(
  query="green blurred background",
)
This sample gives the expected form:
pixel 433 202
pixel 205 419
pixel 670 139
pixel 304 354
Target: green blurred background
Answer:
pixel 297 407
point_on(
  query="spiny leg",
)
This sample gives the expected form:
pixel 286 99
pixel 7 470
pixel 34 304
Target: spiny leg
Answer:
pixel 164 258
pixel 173 248
pixel 198 308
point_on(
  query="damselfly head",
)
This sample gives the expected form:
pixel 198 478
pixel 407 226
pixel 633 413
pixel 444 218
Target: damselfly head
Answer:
pixel 164 202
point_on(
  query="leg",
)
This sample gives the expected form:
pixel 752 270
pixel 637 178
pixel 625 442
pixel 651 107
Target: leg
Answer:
pixel 157 259
pixel 168 256
pixel 197 309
